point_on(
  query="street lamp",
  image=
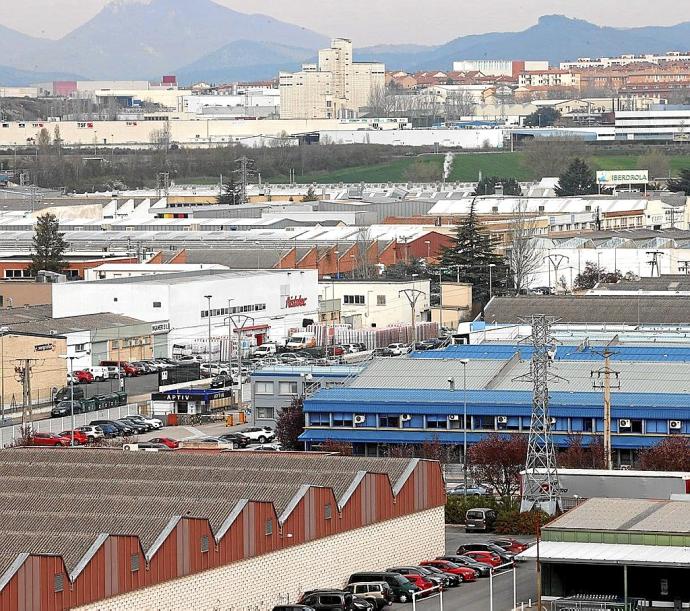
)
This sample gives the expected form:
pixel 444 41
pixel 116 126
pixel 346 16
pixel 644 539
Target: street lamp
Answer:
pixel 71 392
pixel 208 297
pixel 451 383
pixel 337 264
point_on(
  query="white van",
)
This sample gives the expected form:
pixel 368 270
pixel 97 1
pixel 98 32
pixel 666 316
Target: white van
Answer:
pixel 299 341
pixel 99 373
pixel 265 350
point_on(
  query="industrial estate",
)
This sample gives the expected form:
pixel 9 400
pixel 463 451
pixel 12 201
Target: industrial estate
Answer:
pixel 292 324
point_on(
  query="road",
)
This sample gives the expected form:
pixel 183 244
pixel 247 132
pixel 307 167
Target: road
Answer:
pixel 475 596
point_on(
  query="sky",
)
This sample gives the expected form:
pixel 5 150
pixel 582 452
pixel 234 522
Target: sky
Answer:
pixel 371 22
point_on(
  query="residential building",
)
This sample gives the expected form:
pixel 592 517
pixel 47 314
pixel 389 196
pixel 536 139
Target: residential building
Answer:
pixel 336 87
pixel 550 77
pixel 626 60
pixel 499 67
pixel 146 527
pixel 661 123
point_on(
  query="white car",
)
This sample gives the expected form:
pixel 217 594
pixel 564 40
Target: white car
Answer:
pixel 260 434
pixel 398 349
pixel 92 432
pixel 268 447
pixel 154 423
pixel 215 369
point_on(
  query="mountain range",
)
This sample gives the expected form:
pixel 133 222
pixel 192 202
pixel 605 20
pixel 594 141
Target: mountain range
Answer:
pixel 202 40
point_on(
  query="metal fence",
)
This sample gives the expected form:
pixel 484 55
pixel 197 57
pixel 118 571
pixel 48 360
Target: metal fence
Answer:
pixel 55 425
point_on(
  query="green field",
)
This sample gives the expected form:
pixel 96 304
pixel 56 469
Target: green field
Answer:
pixel 467 166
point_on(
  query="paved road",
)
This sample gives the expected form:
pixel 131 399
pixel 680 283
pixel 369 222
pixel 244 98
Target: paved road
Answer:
pixel 475 596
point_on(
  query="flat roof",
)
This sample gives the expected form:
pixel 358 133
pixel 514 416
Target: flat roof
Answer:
pixel 39 318
pixel 194 276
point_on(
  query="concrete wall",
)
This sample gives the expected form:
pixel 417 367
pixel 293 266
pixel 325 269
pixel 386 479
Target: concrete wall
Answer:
pixel 21 293
pixel 262 582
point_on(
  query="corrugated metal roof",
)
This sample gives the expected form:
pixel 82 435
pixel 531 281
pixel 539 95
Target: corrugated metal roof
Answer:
pixel 609 553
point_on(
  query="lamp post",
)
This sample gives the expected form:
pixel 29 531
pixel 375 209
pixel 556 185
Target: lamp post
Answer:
pixel 208 297
pixel 451 383
pixel 491 284
pixel 71 392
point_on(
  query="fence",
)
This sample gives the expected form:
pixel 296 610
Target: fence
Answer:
pixel 55 425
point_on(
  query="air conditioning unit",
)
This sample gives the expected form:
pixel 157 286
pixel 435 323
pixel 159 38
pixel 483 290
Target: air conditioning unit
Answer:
pixel 453 417
pixel 624 423
pixel 502 420
pixel 130 447
pixel 360 419
pixel 675 425
pixel 405 418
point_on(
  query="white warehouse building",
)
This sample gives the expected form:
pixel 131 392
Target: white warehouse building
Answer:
pixel 275 300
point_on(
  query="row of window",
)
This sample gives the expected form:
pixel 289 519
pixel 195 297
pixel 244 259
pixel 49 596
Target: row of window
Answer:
pixel 254 307
pixel 267 388
pixel 360 300
pixel 130 342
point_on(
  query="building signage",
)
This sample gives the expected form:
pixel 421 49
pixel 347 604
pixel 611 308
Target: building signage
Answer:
pixel 622 177
pixel 44 347
pixel 295 302
pixel 160 327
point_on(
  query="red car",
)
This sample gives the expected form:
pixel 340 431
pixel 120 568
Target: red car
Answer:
pixel 49 439
pixel 419 581
pixel 510 545
pixel 83 377
pixel 80 438
pixel 166 441
pixel 446 566
pixel 486 557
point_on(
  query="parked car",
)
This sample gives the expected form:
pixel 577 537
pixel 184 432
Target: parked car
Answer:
pixel 505 556
pixel 486 557
pixel 221 381
pixel 154 423
pixel 166 441
pixel 48 439
pixel 260 434
pixel 265 350
pixel 93 433
pixel 472 490
pixel 290 358
pixel 237 440
pixel 66 393
pixel 293 608
pixel 122 429
pixel 509 544
pixel 420 581
pixel 80 439
pixel 398 349
pixel 115 372
pixel 125 366
pixel 137 427
pixel 482 569
pixel 64 408
pixel 480 519
pixel 441 582
pixel 378 593
pixel 402 588
pixel 109 430
pixel 269 447
pixel 453 580
pixel 99 373
pixel 164 363
pixel 334 600
pixel 82 377
pixel 142 368
pixel 467 573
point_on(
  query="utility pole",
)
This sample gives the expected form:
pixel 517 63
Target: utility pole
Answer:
pixel 23 375
pixel 412 296
pixel 3 332
pixel 240 322
pixel 601 378
pixel 542 489
pixel 654 263
pixel 208 298
pixel 556 261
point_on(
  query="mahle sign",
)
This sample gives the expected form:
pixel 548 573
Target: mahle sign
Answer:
pixel 623 177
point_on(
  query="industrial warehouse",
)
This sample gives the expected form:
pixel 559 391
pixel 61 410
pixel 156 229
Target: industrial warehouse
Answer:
pixel 134 529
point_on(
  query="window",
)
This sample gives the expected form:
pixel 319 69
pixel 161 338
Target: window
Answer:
pixel 80 348
pixel 287 388
pixel 156 304
pixel 389 421
pixel 636 426
pixel 328 511
pixel 380 300
pixel 264 413
pixel 59 582
pixel 485 422
pixel 263 388
pixel 319 420
pixel 342 419
pixel 269 527
pixel 437 422
pixel 353 299
pixel 134 562
pixel 116 344
pixel 17 273
pixel 204 543
pixel 329 600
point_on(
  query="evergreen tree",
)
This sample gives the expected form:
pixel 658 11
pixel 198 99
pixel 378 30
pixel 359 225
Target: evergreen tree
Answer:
pixel 578 179
pixel 472 259
pixel 48 246
pixel 232 194
pixel 543 117
pixel 682 183
pixel 487 186
pixel 310 196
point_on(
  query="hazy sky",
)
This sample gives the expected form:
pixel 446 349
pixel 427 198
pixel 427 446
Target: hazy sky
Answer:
pixel 370 22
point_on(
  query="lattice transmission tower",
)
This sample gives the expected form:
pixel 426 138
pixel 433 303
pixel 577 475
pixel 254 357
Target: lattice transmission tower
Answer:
pixel 542 489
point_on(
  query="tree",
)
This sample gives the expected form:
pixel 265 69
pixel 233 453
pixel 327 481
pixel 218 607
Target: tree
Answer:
pixel 543 117
pixel 524 256
pixel 337 447
pixel 656 161
pixel 497 460
pixel 487 186
pixel 472 255
pixel 310 196
pixel 48 246
pixel 578 179
pixel 290 425
pixel 671 454
pixel 459 104
pixel 589 277
pixel 404 269
pixel 231 195
pixel 423 170
pixel 551 156
pixel 577 455
pixel 682 183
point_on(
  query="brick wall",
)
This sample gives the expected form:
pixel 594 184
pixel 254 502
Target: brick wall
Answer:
pixel 262 582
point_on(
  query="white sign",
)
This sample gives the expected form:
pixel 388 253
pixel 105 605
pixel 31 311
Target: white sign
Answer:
pixel 160 327
pixel 622 177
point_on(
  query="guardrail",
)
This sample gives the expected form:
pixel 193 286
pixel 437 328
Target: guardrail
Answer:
pixel 427 594
pixel 55 425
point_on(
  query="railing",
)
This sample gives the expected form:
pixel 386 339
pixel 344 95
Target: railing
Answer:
pixel 8 434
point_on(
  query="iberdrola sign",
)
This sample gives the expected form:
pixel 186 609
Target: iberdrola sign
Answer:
pixel 622 177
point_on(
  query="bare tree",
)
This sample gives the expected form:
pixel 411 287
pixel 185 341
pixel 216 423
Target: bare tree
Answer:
pixel 551 156
pixel 523 256
pixel 459 103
